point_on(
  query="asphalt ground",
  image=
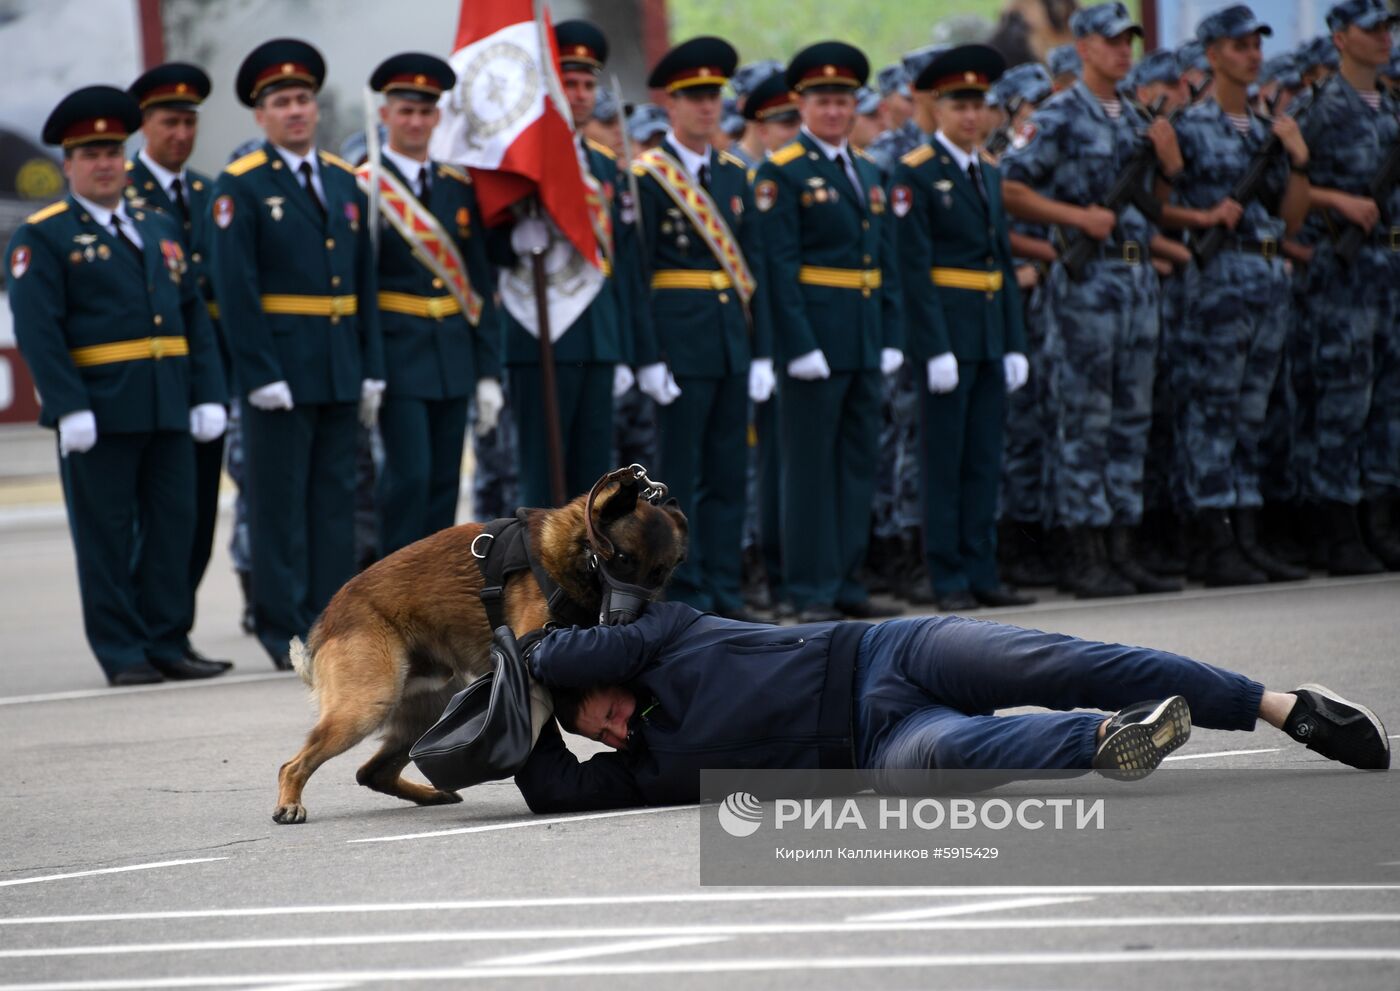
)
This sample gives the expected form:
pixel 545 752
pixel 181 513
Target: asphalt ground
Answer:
pixel 138 849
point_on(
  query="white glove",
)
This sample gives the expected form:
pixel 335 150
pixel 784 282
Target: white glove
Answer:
pixel 657 382
pixel 489 403
pixel 274 395
pixel 530 236
pixel 761 380
pixel 810 366
pixel 942 373
pixel 1017 369
pixel 207 421
pixel 623 379
pixel 891 360
pixel 76 432
pixel 371 397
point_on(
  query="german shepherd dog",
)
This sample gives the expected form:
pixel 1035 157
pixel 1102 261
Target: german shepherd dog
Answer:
pixel 402 637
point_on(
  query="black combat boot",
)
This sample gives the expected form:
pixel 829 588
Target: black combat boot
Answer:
pixel 1346 554
pixel 911 581
pixel 1022 552
pixel 1090 576
pixel 1222 561
pixel 1380 530
pixel 1246 524
pixel 1124 560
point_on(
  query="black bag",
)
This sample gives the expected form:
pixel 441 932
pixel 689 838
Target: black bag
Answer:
pixel 484 733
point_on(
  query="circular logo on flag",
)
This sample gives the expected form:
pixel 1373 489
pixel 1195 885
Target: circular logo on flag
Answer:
pixel 499 87
pixel 19 261
pixel 223 211
pixel 902 199
pixel 765 194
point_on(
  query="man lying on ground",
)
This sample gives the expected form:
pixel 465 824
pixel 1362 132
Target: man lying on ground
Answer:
pixel 679 690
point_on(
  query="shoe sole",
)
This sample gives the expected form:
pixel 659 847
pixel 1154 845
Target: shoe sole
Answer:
pixel 1135 751
pixel 1374 719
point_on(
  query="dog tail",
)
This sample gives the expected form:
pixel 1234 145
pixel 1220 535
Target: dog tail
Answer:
pixel 301 657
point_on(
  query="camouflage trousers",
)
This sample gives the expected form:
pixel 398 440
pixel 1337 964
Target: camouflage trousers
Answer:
pixel 1101 356
pixel 1278 477
pixel 1023 469
pixel 496 477
pixel 1348 353
pixel 898 504
pixel 1224 371
pixel 239 547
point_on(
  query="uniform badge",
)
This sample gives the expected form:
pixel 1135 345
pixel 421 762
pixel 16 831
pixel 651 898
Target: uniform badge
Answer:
pixel 464 221
pixel 629 209
pixel 174 258
pixel 765 194
pixel 274 206
pixel 75 256
pixel 820 195
pixel 806 199
pixel 19 261
pixel 352 214
pixel 104 252
pixel 87 241
pixel 877 199
pixel 1025 136
pixel 736 205
pixel 223 211
pixel 901 199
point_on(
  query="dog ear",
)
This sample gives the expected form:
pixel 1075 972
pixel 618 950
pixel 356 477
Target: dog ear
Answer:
pixel 672 508
pixel 621 503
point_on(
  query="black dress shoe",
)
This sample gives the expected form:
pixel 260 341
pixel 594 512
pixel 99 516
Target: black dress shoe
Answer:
pixel 1002 595
pixel 193 655
pixel 139 674
pixel 865 610
pixel 187 670
pixel 956 602
pixel 817 614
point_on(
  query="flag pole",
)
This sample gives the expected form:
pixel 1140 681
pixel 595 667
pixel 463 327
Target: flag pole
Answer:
pixel 554 439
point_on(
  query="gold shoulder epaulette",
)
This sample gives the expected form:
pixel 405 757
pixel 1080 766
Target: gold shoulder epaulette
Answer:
pixel 452 172
pixel 247 163
pixel 339 163
pixel 918 156
pixel 788 153
pixel 638 169
pixel 52 210
pixel 860 153
pixel 752 175
pixel 601 148
pixel 732 159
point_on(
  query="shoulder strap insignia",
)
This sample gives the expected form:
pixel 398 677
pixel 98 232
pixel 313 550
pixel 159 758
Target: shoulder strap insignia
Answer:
pixel 452 172
pixel 638 170
pixel 918 156
pixel 861 153
pixel 732 159
pixel 247 163
pixel 788 153
pixel 339 163
pixel 52 210
pixel 601 148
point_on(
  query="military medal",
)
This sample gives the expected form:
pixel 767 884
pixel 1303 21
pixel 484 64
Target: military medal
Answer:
pixel 877 199
pixel 86 240
pixel 901 199
pixel 223 211
pixel 274 207
pixel 682 241
pixel 352 214
pixel 104 252
pixel 945 186
pixel 765 194
pixel 806 199
pixel 820 195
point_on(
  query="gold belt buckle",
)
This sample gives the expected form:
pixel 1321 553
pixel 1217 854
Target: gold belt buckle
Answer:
pixel 1132 252
pixel 870 279
pixel 338 307
pixel 1269 248
pixel 436 307
pixel 717 280
pixel 157 348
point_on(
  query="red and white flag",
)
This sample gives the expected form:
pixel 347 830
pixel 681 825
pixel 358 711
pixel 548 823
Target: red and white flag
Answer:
pixel 508 121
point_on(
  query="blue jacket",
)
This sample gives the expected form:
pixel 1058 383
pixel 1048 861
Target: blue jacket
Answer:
pixel 727 695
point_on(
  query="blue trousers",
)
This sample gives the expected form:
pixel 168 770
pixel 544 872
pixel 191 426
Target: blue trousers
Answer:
pixel 926 689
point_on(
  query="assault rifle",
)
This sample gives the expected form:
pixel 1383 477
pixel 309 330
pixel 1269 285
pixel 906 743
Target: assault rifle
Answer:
pixel 1381 184
pixel 1000 139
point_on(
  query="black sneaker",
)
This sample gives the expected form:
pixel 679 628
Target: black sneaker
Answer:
pixel 1340 730
pixel 1138 737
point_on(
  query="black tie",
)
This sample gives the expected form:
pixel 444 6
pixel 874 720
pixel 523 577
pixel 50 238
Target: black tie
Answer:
pixel 976 177
pixel 177 197
pixel 424 187
pixel 705 176
pixel 848 172
pixel 305 170
pixel 120 232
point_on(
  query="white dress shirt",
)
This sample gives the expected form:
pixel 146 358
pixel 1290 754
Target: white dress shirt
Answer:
pixel 844 150
pixel 294 161
pixel 410 168
pixel 103 215
pixel 166 178
pixel 689 159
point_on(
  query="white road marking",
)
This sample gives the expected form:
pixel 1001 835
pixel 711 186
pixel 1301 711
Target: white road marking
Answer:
pixel 523 823
pixel 687 898
pixel 108 870
pixel 165 686
pixel 608 949
pixel 319 986
pixel 944 911
pixel 739 965
pixel 1222 753
pixel 687 931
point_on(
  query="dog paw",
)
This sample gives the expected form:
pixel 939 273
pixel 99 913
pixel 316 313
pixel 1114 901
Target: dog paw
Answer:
pixel 289 815
pixel 442 798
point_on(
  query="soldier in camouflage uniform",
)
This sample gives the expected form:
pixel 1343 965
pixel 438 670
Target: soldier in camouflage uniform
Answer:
pixel 1101 332
pixel 1350 318
pixel 1227 356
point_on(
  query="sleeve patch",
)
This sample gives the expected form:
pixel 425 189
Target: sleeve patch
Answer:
pixel 901 199
pixel 19 261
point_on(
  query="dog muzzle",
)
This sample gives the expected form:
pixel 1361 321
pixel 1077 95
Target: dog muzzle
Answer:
pixel 622 602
